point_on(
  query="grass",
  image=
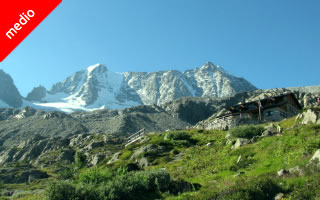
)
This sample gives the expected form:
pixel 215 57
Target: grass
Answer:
pixel 216 168
pixel 204 165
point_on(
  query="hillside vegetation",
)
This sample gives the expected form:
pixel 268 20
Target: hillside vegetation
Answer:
pixel 196 164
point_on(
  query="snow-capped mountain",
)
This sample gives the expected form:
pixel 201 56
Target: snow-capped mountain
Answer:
pixel 97 87
pixel 206 81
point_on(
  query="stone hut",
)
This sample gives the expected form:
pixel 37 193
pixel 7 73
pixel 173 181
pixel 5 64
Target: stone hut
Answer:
pixel 269 109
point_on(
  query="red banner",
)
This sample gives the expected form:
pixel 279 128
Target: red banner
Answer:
pixel 19 18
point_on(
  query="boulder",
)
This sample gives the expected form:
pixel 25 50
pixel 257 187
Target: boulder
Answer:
pixel 114 158
pixel 267 133
pixel 94 145
pixel 228 135
pixel 309 117
pixel 269 127
pixel 144 149
pixel 240 142
pixel 316 157
pixel 26 112
pixel 270 130
pixel 254 139
pixel 143 162
pixel 209 144
pixel 279 129
pixel 230 141
pixel 96 159
pixel 279 196
pixel 299 116
pixel 238 174
pixel 296 170
pixel 239 159
pixel 282 172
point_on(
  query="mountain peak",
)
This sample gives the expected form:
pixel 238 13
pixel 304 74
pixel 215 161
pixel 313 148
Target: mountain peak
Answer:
pixel 210 66
pixel 208 63
pixel 9 94
pixel 97 68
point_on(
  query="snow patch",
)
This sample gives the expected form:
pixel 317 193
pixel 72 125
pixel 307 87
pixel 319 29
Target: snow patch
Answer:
pixel 91 68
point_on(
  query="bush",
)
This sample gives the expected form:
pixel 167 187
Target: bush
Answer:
pixel 67 173
pixel 262 189
pixel 246 131
pixel 140 185
pixel 98 184
pixel 309 190
pixel 95 176
pixel 61 191
pixel 69 191
pixel 132 167
pixel 178 136
pixel 181 139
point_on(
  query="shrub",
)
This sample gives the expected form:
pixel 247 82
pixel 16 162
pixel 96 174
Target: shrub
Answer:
pixel 95 176
pixel 67 173
pixel 98 184
pixel 246 131
pixel 262 189
pixel 140 185
pixel 181 139
pixel 309 190
pixel 69 191
pixel 61 191
pixel 178 136
pixel 132 167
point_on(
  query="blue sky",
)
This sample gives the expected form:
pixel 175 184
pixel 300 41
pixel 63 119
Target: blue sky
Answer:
pixel 271 43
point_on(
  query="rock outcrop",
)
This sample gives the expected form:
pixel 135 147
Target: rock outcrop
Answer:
pixel 9 94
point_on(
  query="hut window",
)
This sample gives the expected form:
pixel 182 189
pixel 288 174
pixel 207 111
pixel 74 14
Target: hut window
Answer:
pixel 282 114
pixel 269 113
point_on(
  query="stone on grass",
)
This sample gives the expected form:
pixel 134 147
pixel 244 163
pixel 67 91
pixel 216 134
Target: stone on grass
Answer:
pixel 316 157
pixel 240 142
pixel 282 172
pixel 114 158
pixel 309 117
pixel 209 144
pixel 297 171
pixel 279 196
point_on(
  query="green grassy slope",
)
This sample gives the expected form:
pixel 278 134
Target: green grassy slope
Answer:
pixel 185 155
